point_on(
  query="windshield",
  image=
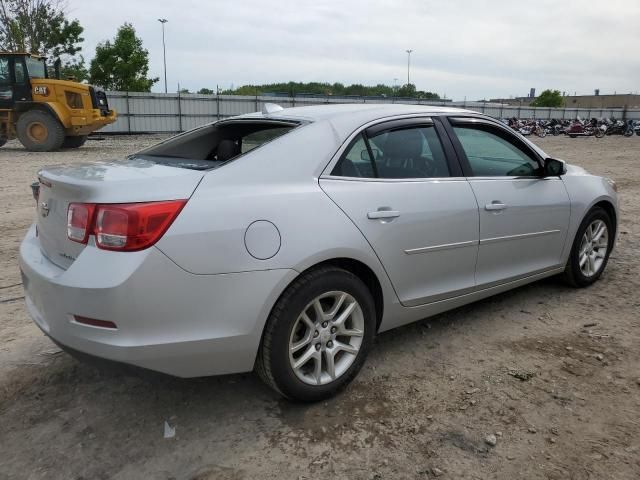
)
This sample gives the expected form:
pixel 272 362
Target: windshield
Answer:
pixel 213 145
pixel 36 68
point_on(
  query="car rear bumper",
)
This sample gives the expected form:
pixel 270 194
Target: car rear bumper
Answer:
pixel 167 319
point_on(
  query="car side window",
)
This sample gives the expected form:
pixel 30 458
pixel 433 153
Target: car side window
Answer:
pixel 356 161
pixel 491 154
pixel 414 152
pixel 409 153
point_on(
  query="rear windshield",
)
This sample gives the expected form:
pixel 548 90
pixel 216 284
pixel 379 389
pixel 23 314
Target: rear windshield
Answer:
pixel 213 145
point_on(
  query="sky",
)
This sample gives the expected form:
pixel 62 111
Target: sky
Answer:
pixel 471 49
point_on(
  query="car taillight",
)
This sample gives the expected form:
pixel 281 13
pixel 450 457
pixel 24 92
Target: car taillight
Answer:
pixel 79 218
pixel 128 226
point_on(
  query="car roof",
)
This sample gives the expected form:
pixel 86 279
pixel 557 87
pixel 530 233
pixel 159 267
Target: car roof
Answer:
pixel 347 117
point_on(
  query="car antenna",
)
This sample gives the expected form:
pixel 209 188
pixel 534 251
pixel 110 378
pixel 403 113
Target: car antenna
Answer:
pixel 268 108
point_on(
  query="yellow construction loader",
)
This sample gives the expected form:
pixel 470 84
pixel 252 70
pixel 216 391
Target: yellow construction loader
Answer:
pixel 47 114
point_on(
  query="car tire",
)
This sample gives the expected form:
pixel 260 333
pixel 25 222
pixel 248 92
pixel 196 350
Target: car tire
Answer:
pixel 294 320
pixel 3 140
pixel 74 142
pixel 574 273
pixel 38 131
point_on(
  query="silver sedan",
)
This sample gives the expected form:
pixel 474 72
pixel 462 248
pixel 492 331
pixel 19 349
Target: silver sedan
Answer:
pixel 283 241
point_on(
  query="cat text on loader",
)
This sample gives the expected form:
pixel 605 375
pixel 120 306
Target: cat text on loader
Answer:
pixel 46 114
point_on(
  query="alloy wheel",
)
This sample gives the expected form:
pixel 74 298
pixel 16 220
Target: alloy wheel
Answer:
pixel 593 248
pixel 326 338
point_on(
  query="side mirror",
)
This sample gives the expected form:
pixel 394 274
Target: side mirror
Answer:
pixel 554 168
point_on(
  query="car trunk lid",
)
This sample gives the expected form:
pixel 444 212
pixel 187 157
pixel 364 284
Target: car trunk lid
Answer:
pixel 127 181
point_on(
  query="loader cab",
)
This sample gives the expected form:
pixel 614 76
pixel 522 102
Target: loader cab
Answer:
pixel 16 72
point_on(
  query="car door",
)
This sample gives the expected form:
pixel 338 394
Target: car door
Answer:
pixel 524 216
pixel 411 202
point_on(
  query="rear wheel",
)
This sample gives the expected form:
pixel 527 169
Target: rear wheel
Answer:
pixel 3 140
pixel 38 131
pixel 318 335
pixel 591 248
pixel 74 142
pixel 599 133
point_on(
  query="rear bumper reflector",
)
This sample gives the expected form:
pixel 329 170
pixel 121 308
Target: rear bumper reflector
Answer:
pixel 95 323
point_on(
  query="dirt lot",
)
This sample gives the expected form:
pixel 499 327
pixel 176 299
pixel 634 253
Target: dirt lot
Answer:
pixel 429 394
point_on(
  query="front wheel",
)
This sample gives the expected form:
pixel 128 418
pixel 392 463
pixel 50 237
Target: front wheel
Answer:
pixel 591 248
pixel 318 335
pixel 599 133
pixel 39 131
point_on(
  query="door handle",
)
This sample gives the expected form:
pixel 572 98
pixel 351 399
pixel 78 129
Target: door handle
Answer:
pixel 383 214
pixel 495 205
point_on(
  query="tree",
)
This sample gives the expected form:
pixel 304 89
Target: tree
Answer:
pixel 549 98
pixel 205 91
pixel 74 69
pixel 41 27
pixel 122 64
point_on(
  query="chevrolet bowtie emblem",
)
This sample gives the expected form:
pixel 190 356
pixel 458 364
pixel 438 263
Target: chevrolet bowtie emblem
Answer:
pixel 44 209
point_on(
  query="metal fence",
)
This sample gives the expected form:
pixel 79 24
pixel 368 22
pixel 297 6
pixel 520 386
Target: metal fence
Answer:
pixel 172 112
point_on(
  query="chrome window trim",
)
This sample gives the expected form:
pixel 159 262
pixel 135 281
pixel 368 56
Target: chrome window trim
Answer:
pixel 493 179
pixel 484 241
pixel 393 180
pixel 437 248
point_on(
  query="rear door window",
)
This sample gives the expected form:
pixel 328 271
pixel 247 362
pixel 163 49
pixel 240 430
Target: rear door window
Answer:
pixel 408 152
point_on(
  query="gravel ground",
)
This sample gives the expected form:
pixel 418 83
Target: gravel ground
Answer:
pixel 539 383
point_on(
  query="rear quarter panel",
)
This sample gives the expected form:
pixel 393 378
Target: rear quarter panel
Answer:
pixel 278 183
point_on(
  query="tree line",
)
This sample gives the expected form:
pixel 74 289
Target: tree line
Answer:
pixel 329 89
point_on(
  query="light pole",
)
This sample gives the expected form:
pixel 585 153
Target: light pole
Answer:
pixel 164 53
pixel 408 66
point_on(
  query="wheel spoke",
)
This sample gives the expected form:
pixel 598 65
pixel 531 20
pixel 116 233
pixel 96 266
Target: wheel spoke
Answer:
pixel 317 371
pixel 305 357
pixel 331 367
pixel 307 321
pixel 320 315
pixel 600 229
pixel 592 264
pixel 339 322
pixel 332 313
pixel 305 341
pixel 350 332
pixel 345 347
pixel 583 259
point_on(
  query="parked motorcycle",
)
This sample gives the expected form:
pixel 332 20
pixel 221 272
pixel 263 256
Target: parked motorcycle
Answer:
pixel 578 128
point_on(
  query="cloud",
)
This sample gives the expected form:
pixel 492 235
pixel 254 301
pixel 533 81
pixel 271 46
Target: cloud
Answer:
pixel 474 49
